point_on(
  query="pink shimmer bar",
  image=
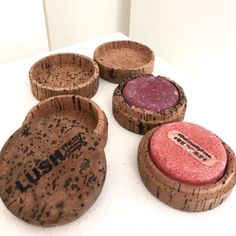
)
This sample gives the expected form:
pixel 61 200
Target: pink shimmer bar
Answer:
pixel 188 153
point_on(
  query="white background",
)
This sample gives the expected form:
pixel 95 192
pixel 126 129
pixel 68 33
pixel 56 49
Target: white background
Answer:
pixel 22 29
pixel 71 21
pixel 28 27
pixel 198 37
pixel 125 206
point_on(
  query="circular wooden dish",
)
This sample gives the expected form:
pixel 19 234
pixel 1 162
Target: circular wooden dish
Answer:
pixel 64 73
pixel 84 110
pixel 53 168
pixel 184 196
pixel 140 120
pixel 119 60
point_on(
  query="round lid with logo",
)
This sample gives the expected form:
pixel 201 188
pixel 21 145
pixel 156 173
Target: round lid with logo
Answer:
pixel 53 168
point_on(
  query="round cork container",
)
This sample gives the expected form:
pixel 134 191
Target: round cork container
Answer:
pixel 186 166
pixel 64 73
pixel 145 101
pixel 84 110
pixel 53 168
pixel 119 60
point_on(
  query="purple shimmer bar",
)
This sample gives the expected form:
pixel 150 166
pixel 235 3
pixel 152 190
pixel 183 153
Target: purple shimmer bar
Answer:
pixel 150 93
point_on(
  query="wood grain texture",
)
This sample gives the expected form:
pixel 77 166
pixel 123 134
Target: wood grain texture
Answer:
pixel 182 196
pixel 119 60
pixel 64 73
pixel 140 120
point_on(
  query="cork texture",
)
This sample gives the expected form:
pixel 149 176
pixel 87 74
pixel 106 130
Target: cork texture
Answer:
pixel 119 60
pixel 140 120
pixel 79 108
pixel 183 196
pixel 53 168
pixel 64 73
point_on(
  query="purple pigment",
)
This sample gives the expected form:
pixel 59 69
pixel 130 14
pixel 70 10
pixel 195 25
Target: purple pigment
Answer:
pixel 151 93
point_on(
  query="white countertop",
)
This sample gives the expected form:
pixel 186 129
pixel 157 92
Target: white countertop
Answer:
pixel 125 206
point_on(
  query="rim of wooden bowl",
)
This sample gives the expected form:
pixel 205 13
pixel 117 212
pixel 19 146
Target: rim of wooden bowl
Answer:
pixel 118 74
pixel 42 91
pixel 55 104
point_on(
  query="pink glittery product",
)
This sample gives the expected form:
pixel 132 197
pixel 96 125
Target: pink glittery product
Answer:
pixel 151 93
pixel 188 153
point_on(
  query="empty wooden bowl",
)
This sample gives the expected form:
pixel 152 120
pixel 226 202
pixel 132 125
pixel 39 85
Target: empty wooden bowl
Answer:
pixel 64 73
pixel 84 110
pixel 119 60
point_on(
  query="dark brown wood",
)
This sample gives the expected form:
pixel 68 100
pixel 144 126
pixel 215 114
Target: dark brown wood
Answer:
pixel 119 60
pixel 139 120
pixel 182 196
pixel 64 73
pixel 53 168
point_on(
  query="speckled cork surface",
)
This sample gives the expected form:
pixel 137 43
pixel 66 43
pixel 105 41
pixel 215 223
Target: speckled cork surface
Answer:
pixel 78 108
pixel 118 60
pixel 180 195
pixel 64 73
pixel 53 168
pixel 140 120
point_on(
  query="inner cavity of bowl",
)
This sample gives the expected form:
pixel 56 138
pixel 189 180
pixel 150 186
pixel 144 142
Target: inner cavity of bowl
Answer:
pixel 63 71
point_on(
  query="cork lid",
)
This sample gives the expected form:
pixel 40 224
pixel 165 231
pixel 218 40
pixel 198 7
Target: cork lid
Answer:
pixel 118 60
pixel 64 73
pixel 53 168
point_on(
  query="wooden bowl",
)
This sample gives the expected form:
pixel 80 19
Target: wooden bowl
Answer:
pixel 64 73
pixel 53 168
pixel 140 120
pixel 119 60
pixel 184 196
pixel 84 110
